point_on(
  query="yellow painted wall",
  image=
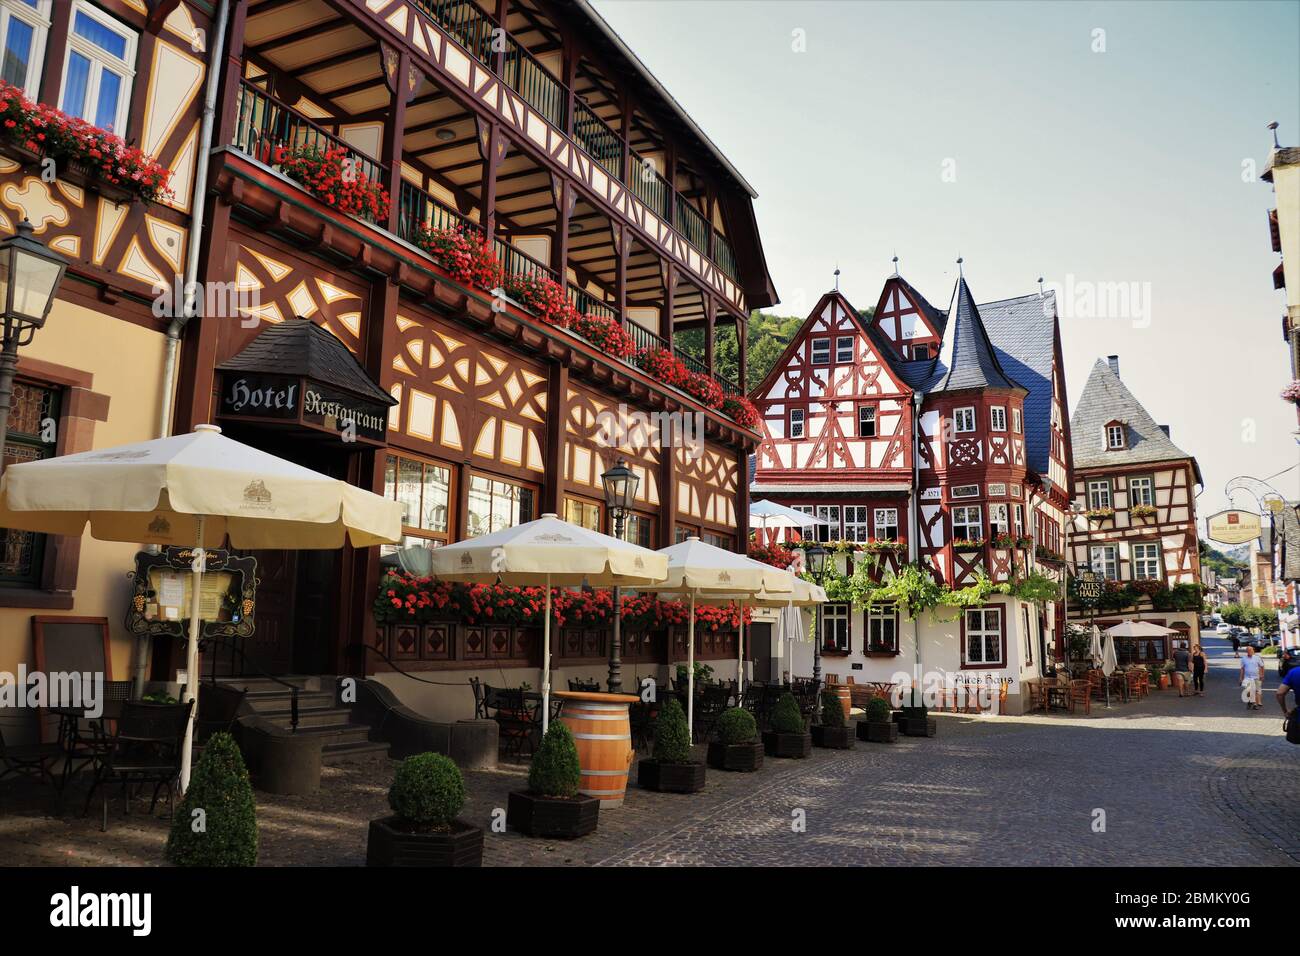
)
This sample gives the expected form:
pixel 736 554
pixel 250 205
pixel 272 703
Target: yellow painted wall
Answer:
pixel 126 361
pixel 1286 187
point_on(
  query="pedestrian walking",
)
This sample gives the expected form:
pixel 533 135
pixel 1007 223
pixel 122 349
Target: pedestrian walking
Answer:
pixel 1236 644
pixel 1183 670
pixel 1290 683
pixel 1198 670
pixel 1252 678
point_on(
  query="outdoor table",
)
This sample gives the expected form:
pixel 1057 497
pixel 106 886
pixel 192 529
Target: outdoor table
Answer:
pixel 1055 694
pixel 68 719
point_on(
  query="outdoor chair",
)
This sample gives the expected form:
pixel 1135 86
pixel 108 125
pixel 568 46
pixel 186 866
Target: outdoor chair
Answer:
pixel 641 722
pixel 80 742
pixel 476 686
pixel 506 705
pixel 588 686
pixel 1081 693
pixel 145 748
pixel 30 760
pixel 1137 683
pixel 711 705
pixel 218 709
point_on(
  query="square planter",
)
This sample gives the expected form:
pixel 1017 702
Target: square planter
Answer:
pixel 918 726
pixel 561 817
pixel 777 744
pixel 670 777
pixel 832 738
pixel 390 844
pixel 882 733
pixel 744 758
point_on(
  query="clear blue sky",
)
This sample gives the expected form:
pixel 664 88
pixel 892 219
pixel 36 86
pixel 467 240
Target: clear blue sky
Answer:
pixel 1116 166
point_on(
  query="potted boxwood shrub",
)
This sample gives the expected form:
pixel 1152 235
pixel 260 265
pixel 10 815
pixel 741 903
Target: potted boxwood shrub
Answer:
pixel 552 806
pixel 737 746
pixel 670 769
pixel 832 731
pixel 878 727
pixel 788 736
pixel 426 795
pixel 221 789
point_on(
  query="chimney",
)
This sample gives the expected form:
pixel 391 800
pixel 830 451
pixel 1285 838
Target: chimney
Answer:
pixel 1113 362
pixel 1165 429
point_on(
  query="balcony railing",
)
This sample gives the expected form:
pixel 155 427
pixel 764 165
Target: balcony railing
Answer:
pixel 517 262
pixel 521 71
pixel 416 209
pixel 588 304
pixel 263 125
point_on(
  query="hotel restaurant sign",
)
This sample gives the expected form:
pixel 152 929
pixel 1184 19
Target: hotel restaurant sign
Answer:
pixel 1233 527
pixel 302 401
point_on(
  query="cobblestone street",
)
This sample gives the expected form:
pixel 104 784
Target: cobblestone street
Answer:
pixel 1182 782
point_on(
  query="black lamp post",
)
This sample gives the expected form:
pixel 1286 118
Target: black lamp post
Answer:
pixel 815 562
pixel 30 274
pixel 620 483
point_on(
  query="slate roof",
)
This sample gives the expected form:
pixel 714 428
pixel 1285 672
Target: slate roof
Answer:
pixel 966 354
pixel 301 347
pixel 938 318
pixel 1105 398
pixel 1023 331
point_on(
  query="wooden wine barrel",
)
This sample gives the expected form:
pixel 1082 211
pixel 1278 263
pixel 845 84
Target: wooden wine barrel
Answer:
pixel 600 727
pixel 845 695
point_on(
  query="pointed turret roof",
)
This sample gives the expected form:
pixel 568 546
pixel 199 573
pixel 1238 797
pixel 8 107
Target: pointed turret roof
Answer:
pixel 966 355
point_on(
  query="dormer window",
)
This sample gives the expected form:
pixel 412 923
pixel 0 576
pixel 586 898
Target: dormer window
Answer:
pixel 821 351
pixel 1115 438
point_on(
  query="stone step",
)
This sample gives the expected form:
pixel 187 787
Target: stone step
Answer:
pixel 267 703
pixel 309 716
pixel 338 733
pixel 338 753
pixel 257 685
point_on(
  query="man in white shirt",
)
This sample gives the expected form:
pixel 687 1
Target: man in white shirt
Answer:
pixel 1252 678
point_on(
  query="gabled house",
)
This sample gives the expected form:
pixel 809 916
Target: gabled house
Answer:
pixel 1135 491
pixel 943 432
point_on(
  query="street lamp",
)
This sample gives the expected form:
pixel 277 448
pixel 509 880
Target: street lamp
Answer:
pixel 30 273
pixel 620 484
pixel 815 561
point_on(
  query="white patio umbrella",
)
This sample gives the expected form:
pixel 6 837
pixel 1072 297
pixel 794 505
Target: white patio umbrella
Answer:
pixel 551 552
pixel 800 594
pixel 194 490
pixel 1095 652
pixel 769 514
pixel 697 569
pixel 1139 629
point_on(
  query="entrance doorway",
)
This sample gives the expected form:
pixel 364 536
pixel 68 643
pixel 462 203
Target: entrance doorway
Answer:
pixel 760 648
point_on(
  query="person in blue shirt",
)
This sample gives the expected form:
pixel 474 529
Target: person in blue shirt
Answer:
pixel 1291 682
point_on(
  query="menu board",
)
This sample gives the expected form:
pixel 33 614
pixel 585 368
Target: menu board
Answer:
pixel 175 591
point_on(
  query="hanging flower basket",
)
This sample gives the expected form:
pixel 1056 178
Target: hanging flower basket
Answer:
pixel 967 544
pixel 1142 512
pixel 464 255
pixel 1099 514
pixel 606 333
pixel 1292 392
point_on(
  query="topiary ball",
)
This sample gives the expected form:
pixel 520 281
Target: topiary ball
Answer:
pixel 832 709
pixel 878 711
pixel 427 790
pixel 736 726
pixel 555 771
pixel 786 718
pixel 216 822
pixel 672 737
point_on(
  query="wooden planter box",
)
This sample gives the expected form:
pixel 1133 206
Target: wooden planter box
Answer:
pixel 390 845
pixel 744 758
pixel 883 733
pixel 561 817
pixel 918 726
pixel 832 738
pixel 670 777
pixel 796 746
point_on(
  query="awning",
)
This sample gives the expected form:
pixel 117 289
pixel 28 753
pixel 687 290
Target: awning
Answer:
pixel 297 374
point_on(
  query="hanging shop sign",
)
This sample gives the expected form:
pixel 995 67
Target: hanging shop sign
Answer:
pixel 272 399
pixel 1233 527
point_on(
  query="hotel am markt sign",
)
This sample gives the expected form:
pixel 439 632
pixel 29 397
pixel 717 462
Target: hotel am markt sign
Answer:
pixel 313 405
pixel 1233 527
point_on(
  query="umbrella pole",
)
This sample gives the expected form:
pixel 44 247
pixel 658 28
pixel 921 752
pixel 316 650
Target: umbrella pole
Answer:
pixel 192 659
pixel 690 671
pixel 546 661
pixel 740 656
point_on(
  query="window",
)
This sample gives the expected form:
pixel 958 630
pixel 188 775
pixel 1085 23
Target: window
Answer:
pixel 1114 436
pixel 821 351
pixel 585 514
pixel 24 25
pixel 1140 492
pixel 866 421
pixel 1146 562
pixel 856 527
pixel 966 491
pixel 997 489
pixel 968 522
pixel 844 350
pixel 998 418
pixel 97 75
pixel 1099 493
pixel 722 541
pixel 1104 559
pixel 32 409
pixel 796 422
pixel 1015 420
pixel 886 524
pixel 495 504
pixel 921 352
pixel 882 630
pixel 1019 514
pixel 639 529
pixel 1141 650
pixel 424 490
pixel 963 419
pixel 983 627
pixel 835 627
pixel 998 524
pixel 830 531
pixel 682 532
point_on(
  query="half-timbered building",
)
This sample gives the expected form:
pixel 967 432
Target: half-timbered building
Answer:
pixel 939 436
pixel 1135 515
pixel 526 128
